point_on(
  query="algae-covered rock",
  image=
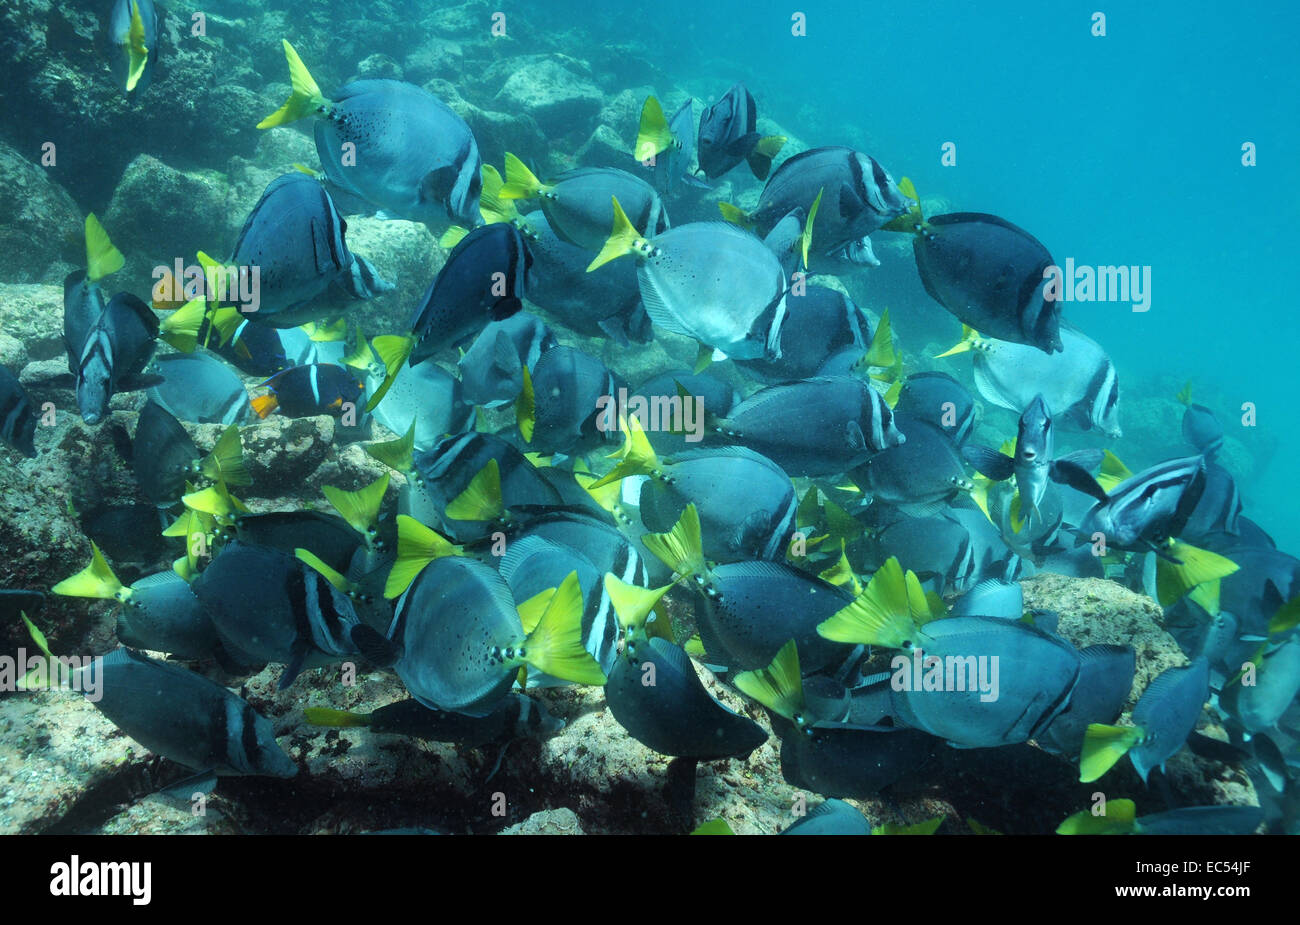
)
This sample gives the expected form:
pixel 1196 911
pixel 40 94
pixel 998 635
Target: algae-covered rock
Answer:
pixel 38 236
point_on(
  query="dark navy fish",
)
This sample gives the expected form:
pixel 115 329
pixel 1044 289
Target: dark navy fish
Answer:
pixel 112 357
pixel 133 30
pixel 484 279
pixel 655 694
pixel 858 196
pixel 606 302
pixel 818 321
pixel 990 275
pixel 571 392
pixel 938 399
pixel 17 419
pixel 294 238
pixel 841 422
pixel 268 606
pixel 728 135
pixel 303 391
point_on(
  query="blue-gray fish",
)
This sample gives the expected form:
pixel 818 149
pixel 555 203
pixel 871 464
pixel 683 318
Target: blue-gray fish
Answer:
pixel 1145 510
pixel 814 427
pixel 605 302
pixel 917 475
pixel 707 280
pixel 267 606
pixel 572 391
pixel 655 694
pixel 1001 681
pixel 577 203
pixel 832 817
pixel 1105 679
pixel 938 399
pixel 462 643
pixel 1036 462
pixel 1202 430
pixel 1079 383
pixel 424 395
pixel 858 196
pixel 199 388
pixel 491 370
pixel 185 717
pixel 391 143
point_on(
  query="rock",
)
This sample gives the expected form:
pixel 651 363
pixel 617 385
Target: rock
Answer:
pixel 159 213
pixel 605 149
pixel 40 236
pixel 55 747
pixel 379 67
pixel 435 58
pixel 462 21
pixel 33 315
pixel 282 453
pixel 406 254
pixel 554 91
pixel 547 822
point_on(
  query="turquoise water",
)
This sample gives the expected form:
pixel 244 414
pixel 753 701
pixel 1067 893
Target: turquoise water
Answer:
pixel 1117 149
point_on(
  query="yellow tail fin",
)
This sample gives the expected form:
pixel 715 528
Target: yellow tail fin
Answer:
pixel 181 327
pixel 805 239
pixel 305 97
pixel 779 686
pixel 359 508
pixel 681 548
pixel 1104 745
pixel 1198 567
pixel 137 54
pixel 632 604
pixel 887 613
pixel 913 220
pixel 481 499
pixel 95 580
pixel 520 181
pixel 970 338
pixel 526 407
pixel 555 646
pixel 417 546
pixel 653 136
pixel 226 461
pixel 102 258
pixel 393 350
pixel 636 457
pixel 736 215
pixel 395 454
pixel 623 239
